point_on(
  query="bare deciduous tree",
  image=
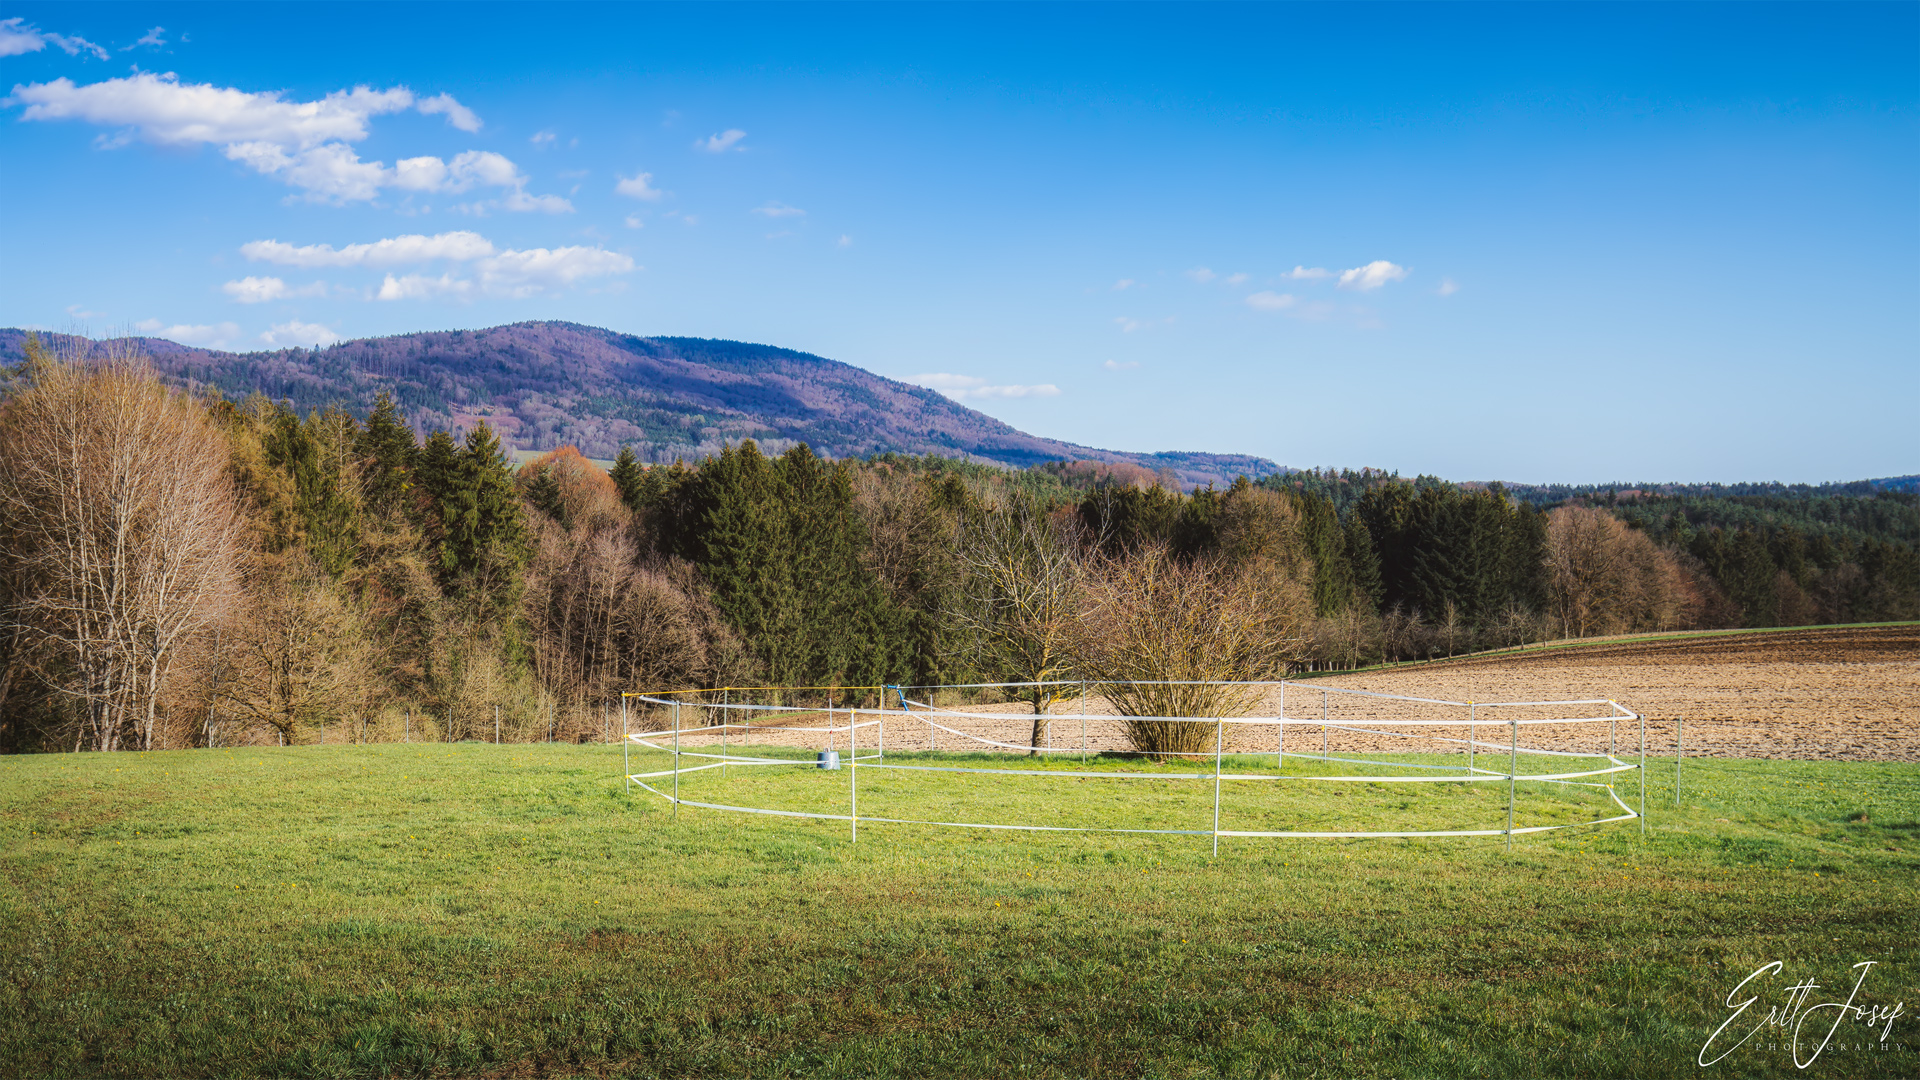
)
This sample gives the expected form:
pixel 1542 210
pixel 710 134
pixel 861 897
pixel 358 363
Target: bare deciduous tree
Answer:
pixel 1168 637
pixel 125 530
pixel 1605 577
pixel 300 655
pixel 1018 608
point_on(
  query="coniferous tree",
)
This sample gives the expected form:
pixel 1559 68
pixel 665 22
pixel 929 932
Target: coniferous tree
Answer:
pixel 627 476
pixel 328 517
pixel 1363 561
pixel 388 456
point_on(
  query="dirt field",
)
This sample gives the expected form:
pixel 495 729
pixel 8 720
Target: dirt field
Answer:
pixel 1845 695
pixel 1850 694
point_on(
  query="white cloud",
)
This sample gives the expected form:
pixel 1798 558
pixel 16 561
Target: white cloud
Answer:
pixel 151 37
pixel 546 204
pixel 1447 287
pixel 256 290
pixel 293 332
pixel 217 336
pixel 421 287
pixel 543 138
pixel 1129 325
pixel 17 36
pixel 1236 279
pixel 1124 284
pixel 1371 276
pixel 461 246
pixel 160 109
pixel 721 142
pixel 1121 365
pixel 638 187
pixel 536 270
pixel 779 210
pixel 1309 273
pixel 1266 300
pixel 634 222
pixel 303 144
pixel 457 114
pixel 1201 274
pixel 968 387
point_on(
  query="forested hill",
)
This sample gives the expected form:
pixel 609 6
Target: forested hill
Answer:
pixel 547 384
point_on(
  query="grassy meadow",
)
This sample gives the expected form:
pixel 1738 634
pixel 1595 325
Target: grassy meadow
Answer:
pixel 469 909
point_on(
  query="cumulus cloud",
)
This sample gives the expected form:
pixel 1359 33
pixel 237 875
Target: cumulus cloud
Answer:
pixel 457 114
pixel 293 332
pixel 634 222
pixel 421 287
pixel 217 336
pixel 971 388
pixel 722 142
pixel 1371 276
pixel 18 36
pixel 1309 273
pixel 639 186
pixel 1447 287
pixel 461 246
pixel 301 143
pixel 256 290
pixel 537 270
pixel 778 210
pixel 1267 300
pixel 496 272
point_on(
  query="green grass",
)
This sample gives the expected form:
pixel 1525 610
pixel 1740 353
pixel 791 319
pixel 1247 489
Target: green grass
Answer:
pixel 469 909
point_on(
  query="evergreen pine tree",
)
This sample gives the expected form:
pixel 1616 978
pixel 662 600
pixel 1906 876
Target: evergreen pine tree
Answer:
pixel 1363 561
pixel 388 456
pixel 328 519
pixel 627 476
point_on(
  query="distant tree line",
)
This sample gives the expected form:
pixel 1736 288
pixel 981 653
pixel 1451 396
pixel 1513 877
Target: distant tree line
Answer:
pixel 194 571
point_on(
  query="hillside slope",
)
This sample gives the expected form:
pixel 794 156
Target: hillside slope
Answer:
pixel 547 384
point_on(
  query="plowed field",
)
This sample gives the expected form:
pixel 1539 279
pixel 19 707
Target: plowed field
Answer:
pixel 1845 694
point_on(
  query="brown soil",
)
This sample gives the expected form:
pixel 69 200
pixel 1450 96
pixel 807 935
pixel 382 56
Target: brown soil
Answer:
pixel 1849 694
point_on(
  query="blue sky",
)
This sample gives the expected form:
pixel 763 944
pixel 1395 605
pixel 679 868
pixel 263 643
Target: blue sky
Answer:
pixel 1533 242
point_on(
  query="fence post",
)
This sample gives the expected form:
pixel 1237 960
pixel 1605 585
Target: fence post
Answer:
pixel 853 778
pixel 1679 740
pixel 1083 722
pixel 626 744
pixel 1643 773
pixel 1473 730
pixel 1513 762
pixel 1219 740
pixel 1280 743
pixel 1324 752
pixel 676 759
pixel 496 725
pixel 407 735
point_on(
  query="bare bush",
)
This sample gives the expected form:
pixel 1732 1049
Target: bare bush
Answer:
pixel 1167 637
pixel 124 531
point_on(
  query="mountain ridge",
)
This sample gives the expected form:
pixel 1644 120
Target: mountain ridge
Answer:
pixel 548 384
